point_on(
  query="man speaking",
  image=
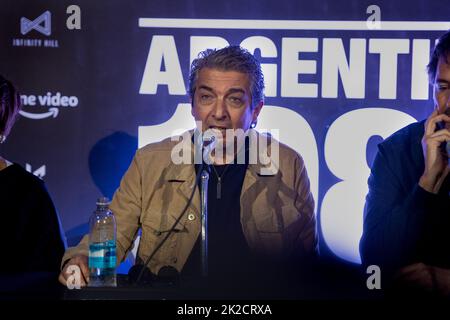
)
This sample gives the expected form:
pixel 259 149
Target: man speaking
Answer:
pixel 268 214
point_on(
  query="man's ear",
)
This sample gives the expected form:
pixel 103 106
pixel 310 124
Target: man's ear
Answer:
pixel 257 110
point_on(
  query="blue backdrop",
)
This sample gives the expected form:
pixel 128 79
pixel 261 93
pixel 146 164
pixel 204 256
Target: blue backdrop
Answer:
pixel 100 78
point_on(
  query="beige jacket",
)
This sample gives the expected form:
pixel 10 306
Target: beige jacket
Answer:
pixel 277 207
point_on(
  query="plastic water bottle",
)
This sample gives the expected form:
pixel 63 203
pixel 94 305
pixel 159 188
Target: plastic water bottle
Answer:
pixel 102 246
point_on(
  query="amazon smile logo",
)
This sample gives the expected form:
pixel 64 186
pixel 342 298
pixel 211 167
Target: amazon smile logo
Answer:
pixel 52 102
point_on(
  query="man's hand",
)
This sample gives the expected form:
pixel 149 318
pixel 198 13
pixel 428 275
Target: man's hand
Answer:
pixel 81 261
pixel 436 161
pixel 425 278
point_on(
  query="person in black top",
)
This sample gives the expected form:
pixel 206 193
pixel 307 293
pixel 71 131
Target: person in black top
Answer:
pixel 407 213
pixel 228 248
pixel 31 236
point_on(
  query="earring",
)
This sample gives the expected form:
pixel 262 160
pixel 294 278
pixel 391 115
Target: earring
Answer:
pixel 253 124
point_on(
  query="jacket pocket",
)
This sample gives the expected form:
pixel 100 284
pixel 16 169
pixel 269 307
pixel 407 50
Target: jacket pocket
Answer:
pixel 269 240
pixel 290 215
pixel 154 230
pixel 160 223
pixel 274 221
pixel 267 221
pixel 271 227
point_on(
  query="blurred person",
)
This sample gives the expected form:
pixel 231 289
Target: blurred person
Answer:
pixel 31 233
pixel 407 212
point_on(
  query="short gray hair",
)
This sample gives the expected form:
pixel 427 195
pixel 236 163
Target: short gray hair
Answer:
pixel 231 58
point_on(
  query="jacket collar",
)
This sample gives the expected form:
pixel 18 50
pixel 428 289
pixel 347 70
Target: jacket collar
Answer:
pixel 185 173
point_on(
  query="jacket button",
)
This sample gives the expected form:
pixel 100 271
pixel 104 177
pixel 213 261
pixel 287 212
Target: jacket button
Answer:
pixel 157 233
pixel 174 260
pixel 191 217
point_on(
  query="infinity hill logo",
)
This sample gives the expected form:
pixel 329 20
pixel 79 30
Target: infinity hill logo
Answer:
pixel 28 25
pixel 43 25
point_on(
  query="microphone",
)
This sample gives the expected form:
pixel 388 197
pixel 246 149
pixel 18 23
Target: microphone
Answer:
pixel 207 143
pixel 167 276
pixel 134 277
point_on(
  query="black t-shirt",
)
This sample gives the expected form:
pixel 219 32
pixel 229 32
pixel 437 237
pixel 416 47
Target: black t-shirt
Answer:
pixel 31 236
pixel 227 247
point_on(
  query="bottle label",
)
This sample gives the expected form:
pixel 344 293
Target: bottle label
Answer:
pixel 102 255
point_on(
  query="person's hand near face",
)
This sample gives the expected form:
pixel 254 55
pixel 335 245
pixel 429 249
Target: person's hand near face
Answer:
pixel 436 159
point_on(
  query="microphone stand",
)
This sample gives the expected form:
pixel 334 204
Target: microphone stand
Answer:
pixel 204 222
pixel 204 179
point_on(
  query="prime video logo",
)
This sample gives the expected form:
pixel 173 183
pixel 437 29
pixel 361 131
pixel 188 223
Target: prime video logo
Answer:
pixel 48 100
pixel 27 25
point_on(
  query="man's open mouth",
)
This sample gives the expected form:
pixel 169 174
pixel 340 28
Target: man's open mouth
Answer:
pixel 218 128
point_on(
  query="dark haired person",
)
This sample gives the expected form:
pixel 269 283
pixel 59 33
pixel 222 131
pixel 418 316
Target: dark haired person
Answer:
pixel 31 234
pixel 250 210
pixel 407 213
